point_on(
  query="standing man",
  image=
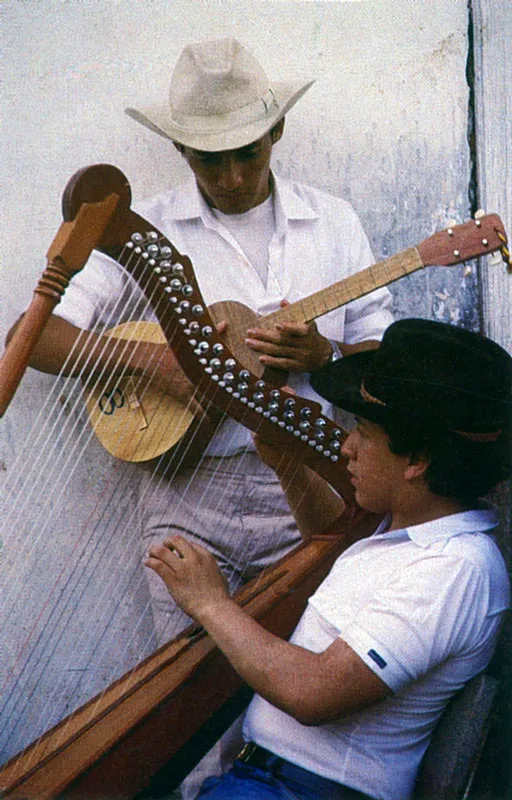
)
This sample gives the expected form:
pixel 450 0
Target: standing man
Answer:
pixel 406 617
pixel 252 237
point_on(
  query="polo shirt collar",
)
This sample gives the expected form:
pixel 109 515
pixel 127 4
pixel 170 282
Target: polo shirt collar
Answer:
pixel 476 520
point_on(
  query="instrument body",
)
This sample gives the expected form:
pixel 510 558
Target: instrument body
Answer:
pixel 118 740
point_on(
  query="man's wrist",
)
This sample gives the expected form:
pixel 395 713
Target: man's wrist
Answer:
pixel 335 353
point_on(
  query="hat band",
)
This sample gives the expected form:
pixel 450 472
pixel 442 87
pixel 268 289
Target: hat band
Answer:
pixel 369 398
pixel 480 437
pixel 190 123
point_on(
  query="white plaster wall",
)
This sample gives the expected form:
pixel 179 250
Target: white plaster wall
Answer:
pixel 384 126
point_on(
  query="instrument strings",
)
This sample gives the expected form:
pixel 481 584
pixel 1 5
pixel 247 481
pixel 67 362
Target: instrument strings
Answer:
pixel 44 487
pixel 61 436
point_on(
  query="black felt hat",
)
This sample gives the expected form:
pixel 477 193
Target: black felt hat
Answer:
pixel 429 373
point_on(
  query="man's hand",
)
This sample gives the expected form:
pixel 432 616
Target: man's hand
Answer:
pixel 191 575
pixel 298 347
pixel 290 346
pixel 166 375
pixel 161 365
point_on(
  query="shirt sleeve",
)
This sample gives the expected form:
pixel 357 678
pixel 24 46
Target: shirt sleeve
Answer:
pixel 416 621
pixel 94 294
pixel 368 317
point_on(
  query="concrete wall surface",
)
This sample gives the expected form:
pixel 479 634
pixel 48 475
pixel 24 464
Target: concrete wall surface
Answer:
pixel 385 126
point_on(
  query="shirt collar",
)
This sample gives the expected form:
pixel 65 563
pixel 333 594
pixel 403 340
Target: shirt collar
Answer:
pixel 188 203
pixel 475 520
pixel 289 204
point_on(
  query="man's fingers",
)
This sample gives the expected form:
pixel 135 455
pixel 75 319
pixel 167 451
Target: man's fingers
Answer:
pixel 183 548
pixel 162 555
pixel 277 349
pixel 283 364
pixel 293 330
pixel 281 333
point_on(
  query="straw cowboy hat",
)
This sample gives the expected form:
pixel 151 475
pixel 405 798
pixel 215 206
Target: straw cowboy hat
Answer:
pixel 219 99
pixel 439 376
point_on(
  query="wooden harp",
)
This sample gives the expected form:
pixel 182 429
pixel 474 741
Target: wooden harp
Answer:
pixel 116 743
pixel 150 719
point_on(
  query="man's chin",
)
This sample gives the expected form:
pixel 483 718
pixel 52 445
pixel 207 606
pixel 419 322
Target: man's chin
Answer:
pixel 233 205
pixel 367 504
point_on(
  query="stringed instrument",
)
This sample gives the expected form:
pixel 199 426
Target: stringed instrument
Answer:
pixel 135 422
pixel 114 744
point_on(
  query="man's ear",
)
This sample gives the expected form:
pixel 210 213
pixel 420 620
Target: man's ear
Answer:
pixel 277 131
pixel 416 468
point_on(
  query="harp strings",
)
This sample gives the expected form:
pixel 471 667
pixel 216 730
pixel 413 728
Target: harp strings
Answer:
pixel 57 464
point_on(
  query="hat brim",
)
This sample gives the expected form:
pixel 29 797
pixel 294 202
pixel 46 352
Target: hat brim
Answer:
pixel 224 133
pixel 340 384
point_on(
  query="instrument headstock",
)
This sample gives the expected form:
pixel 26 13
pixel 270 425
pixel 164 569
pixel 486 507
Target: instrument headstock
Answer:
pixel 458 243
pixel 93 185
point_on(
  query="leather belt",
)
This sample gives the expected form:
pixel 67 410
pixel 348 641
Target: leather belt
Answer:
pixel 256 756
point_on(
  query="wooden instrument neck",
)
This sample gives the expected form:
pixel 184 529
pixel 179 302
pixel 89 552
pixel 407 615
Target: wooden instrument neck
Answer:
pixel 344 291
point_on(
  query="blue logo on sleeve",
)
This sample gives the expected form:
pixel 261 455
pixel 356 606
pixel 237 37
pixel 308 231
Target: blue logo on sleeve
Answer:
pixel 377 658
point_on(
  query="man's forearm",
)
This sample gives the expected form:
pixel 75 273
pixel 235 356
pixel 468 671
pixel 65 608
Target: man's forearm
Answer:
pixel 313 502
pixel 314 688
pixel 65 349
pixel 272 667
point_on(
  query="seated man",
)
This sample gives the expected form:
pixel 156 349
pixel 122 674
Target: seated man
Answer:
pixel 407 616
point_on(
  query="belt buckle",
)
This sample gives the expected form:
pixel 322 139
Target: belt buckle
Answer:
pixel 246 752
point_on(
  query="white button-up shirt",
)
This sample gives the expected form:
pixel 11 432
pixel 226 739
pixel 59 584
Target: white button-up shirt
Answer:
pixel 422 607
pixel 318 241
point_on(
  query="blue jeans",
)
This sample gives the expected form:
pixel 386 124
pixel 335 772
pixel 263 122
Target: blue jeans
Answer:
pixel 245 782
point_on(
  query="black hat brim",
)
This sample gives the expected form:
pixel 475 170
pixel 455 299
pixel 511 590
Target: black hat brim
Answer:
pixel 340 384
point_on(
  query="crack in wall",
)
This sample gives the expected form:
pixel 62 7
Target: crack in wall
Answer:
pixel 473 194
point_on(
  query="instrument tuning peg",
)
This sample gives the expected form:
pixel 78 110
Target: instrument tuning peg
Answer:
pixel 450 224
pixel 495 260
pixel 479 213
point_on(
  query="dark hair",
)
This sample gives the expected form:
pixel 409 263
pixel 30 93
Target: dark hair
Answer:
pixel 458 467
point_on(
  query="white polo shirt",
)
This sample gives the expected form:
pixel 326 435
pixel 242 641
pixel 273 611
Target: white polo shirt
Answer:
pixel 422 607
pixel 318 240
